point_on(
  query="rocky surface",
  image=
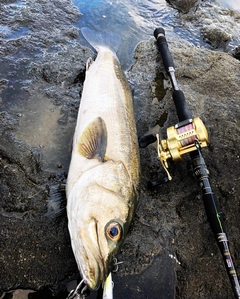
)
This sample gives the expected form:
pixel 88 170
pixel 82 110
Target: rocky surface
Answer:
pixel 38 70
pixel 170 241
pixel 173 215
pixel 184 6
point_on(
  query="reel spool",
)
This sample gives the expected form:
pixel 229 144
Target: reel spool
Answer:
pixel 181 140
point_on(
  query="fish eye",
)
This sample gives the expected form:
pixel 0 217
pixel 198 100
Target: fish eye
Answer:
pixel 114 231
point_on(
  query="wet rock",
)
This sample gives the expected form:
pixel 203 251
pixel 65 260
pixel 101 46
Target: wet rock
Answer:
pixel 173 215
pixel 7 122
pixel 217 26
pixel 26 235
pixel 35 249
pixel 215 36
pixel 237 53
pixel 183 6
pixel 9 1
pixel 47 66
pixel 65 68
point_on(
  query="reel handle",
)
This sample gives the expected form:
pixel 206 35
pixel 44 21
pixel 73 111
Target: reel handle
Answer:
pixel 144 141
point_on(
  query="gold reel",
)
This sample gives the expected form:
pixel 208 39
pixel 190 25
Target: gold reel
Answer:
pixel 180 140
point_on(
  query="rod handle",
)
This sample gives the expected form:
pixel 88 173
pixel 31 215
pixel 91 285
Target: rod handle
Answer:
pixel 159 34
pixel 181 106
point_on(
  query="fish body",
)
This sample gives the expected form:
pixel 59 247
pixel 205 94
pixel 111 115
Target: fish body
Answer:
pixel 104 171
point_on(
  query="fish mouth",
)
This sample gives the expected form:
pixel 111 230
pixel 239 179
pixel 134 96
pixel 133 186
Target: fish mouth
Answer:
pixel 93 267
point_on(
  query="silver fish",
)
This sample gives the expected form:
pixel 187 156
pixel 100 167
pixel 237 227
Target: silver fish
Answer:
pixel 104 173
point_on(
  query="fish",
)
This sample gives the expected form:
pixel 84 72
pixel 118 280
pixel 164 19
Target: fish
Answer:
pixel 102 185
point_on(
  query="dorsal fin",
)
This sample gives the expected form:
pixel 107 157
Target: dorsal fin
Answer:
pixel 92 143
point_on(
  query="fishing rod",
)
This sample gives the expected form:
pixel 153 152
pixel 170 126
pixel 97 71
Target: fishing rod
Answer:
pixel 189 136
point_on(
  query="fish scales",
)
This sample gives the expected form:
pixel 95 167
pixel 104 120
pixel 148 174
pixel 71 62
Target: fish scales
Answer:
pixel 108 95
pixel 104 171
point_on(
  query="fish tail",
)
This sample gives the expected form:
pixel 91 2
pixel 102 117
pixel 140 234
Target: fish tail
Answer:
pixel 96 39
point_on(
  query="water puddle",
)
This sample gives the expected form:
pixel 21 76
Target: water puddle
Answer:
pixel 12 32
pixel 17 3
pixel 4 30
pixel 39 127
pixel 20 32
pixel 38 117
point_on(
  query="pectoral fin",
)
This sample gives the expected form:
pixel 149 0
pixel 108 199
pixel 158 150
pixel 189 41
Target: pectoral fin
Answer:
pixel 93 141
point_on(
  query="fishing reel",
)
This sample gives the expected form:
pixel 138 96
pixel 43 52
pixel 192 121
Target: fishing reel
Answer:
pixel 180 140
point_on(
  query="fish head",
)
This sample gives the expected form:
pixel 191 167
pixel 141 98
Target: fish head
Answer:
pixel 105 201
pixel 100 241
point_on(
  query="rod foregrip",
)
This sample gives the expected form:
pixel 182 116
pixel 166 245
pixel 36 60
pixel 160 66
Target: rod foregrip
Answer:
pixel 159 34
pixel 181 106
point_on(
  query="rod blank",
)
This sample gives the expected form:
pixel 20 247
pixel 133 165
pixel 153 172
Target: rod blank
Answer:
pixel 210 203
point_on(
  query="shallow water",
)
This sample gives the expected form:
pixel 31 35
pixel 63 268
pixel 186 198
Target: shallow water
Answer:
pixel 132 20
pixel 136 20
pixel 231 4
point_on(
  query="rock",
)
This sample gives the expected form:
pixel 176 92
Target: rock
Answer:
pixel 211 85
pixel 215 36
pixel 35 248
pixel 183 6
pixel 237 53
pixel 216 25
pixel 27 236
